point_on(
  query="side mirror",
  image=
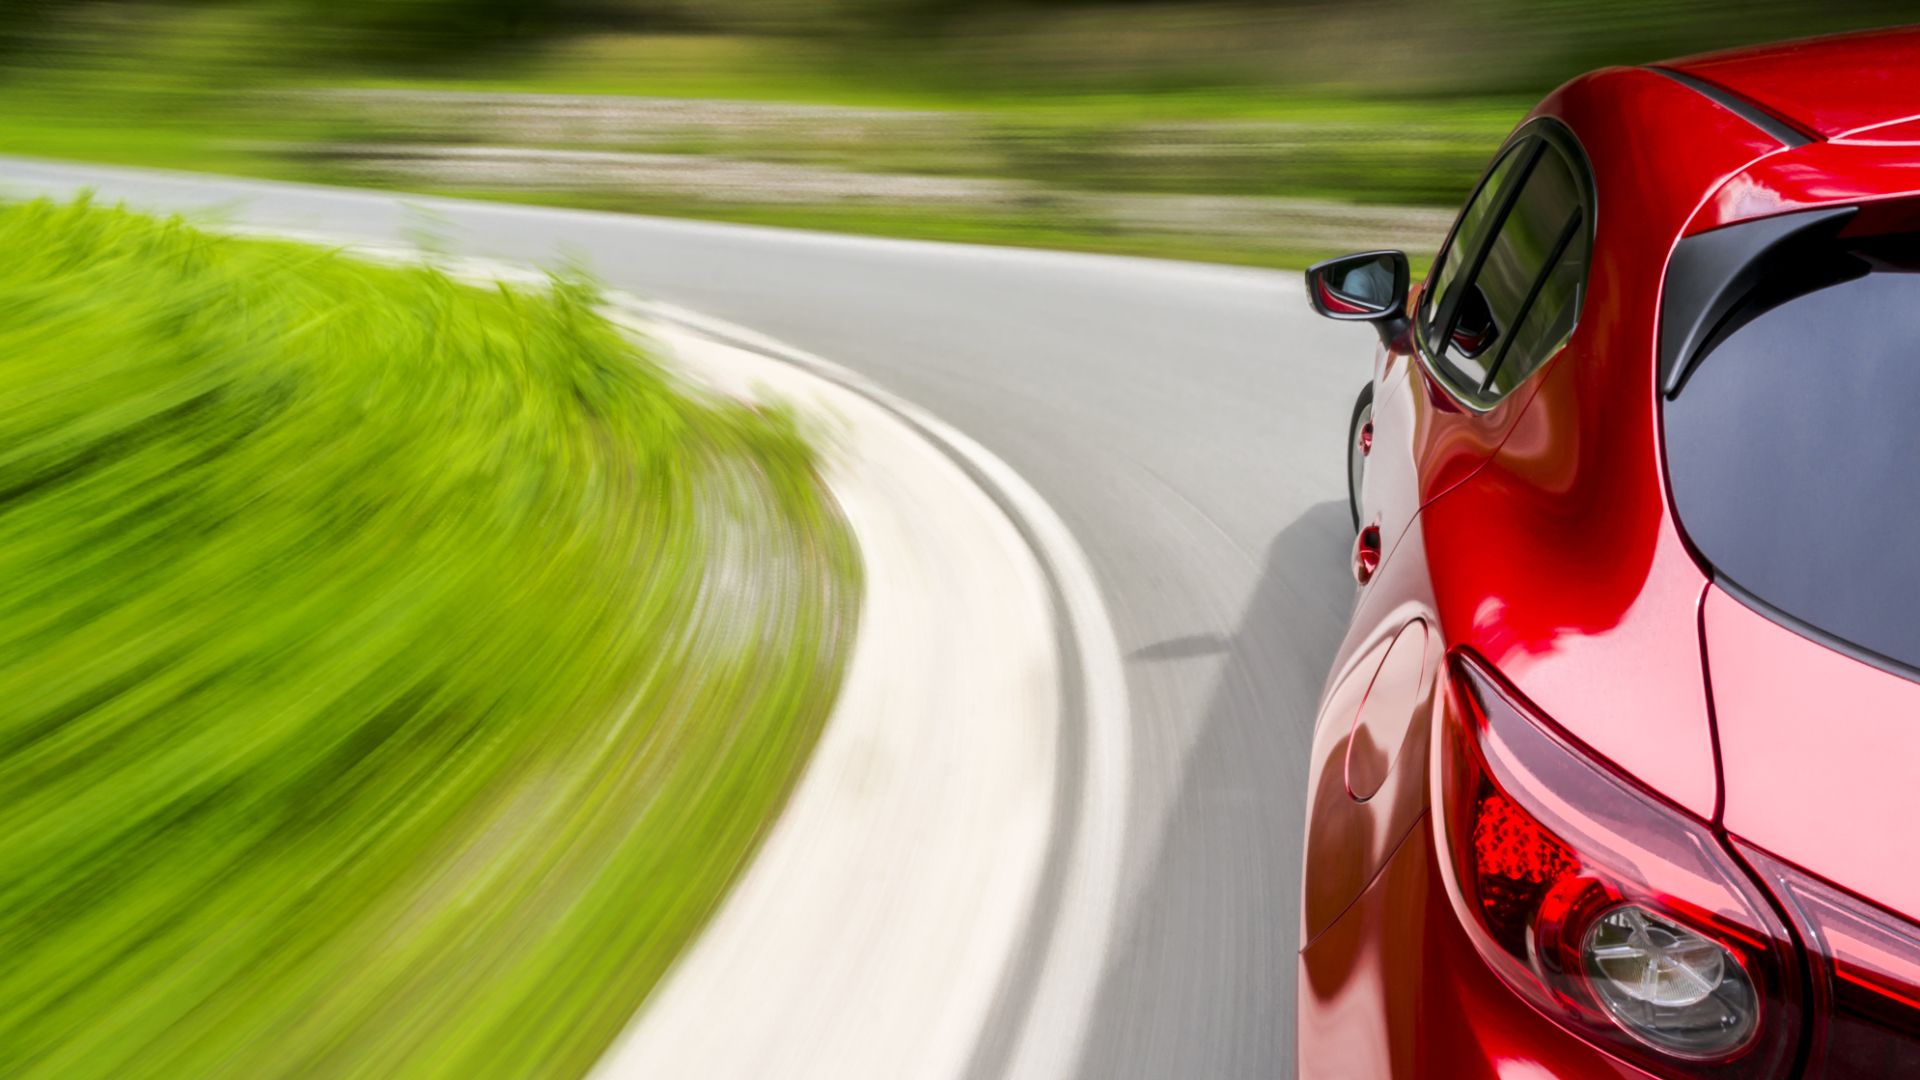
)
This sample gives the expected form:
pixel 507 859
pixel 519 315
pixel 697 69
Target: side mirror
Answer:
pixel 1369 287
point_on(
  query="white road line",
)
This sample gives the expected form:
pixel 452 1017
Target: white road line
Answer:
pixel 868 935
pixel 1059 1014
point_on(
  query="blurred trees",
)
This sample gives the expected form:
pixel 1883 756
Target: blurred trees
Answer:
pixel 1382 46
pixel 1399 45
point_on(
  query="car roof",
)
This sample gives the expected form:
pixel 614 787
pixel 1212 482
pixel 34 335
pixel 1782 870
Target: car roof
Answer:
pixel 1828 87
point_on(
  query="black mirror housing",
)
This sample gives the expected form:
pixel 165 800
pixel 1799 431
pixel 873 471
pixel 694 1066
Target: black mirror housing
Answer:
pixel 1368 287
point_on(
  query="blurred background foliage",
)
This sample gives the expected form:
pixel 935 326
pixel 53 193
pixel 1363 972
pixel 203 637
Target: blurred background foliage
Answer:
pixel 1377 47
pixel 1207 114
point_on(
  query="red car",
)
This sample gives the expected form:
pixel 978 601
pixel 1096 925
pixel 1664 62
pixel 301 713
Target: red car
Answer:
pixel 1616 768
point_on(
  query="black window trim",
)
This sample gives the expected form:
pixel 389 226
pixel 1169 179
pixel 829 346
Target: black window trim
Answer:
pixel 1567 233
pixel 1449 320
pixel 1543 132
pixel 1427 300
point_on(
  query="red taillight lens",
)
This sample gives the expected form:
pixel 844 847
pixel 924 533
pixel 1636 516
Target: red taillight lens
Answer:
pixel 1866 968
pixel 1610 911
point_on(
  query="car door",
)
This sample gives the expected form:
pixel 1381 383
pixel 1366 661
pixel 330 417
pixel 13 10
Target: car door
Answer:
pixel 1501 299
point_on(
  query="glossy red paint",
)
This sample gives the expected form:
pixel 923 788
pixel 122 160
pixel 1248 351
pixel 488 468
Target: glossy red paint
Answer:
pixel 1830 86
pixel 1380 729
pixel 1880 177
pixel 1354 837
pixel 1808 734
pixel 1538 534
pixel 1395 988
pixel 1814 742
pixel 1565 476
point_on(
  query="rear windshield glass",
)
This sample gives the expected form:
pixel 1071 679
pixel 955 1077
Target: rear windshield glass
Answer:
pixel 1794 448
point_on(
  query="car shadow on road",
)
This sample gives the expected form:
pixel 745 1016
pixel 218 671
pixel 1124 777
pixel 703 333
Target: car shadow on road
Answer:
pixel 1208 952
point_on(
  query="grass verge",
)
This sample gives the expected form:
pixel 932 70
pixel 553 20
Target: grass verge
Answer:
pixel 397 672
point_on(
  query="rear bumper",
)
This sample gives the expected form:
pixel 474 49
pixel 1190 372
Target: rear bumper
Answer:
pixel 1394 988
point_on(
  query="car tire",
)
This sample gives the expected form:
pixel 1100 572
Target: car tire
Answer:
pixel 1356 457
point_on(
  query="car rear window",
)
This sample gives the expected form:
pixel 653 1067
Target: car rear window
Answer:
pixel 1793 447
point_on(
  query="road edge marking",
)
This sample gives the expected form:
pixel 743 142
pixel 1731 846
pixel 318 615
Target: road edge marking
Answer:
pixel 1074 918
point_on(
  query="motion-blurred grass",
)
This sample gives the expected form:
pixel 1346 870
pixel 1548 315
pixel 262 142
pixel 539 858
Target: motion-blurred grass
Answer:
pixel 395 672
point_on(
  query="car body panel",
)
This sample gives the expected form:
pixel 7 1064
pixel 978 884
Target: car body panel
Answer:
pixel 1831 86
pixel 1386 717
pixel 1812 739
pixel 1892 133
pixel 1617 650
pixel 1540 535
pixel 1615 588
pixel 1337 856
pixel 1354 837
pixel 1424 441
pixel 1881 177
pixel 1600 581
pixel 1591 576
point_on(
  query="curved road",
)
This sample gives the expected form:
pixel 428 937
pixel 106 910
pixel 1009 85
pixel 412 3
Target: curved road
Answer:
pixel 1186 421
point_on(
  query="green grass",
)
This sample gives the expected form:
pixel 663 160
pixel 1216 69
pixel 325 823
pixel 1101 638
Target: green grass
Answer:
pixel 397 672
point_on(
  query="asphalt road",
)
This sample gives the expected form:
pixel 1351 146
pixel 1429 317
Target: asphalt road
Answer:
pixel 1186 422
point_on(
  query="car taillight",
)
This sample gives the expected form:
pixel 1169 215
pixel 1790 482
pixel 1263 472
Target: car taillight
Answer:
pixel 1866 975
pixel 1610 911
